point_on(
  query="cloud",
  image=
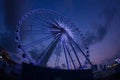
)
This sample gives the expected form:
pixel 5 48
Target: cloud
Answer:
pixel 101 29
pixel 98 35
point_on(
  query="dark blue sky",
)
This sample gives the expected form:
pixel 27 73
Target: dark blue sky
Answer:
pixel 99 20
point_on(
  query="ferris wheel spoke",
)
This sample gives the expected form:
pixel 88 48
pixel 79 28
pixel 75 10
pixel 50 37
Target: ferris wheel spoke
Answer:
pixel 56 23
pixel 44 23
pixel 38 41
pixel 65 56
pixel 37 32
pixel 49 20
pixel 36 19
pixel 51 26
pixel 61 19
pixel 35 22
pixel 52 22
pixel 33 28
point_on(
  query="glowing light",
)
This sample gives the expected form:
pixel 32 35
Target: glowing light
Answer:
pixel 1 57
pixel 117 60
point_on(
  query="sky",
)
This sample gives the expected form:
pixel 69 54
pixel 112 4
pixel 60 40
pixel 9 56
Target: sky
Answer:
pixel 99 21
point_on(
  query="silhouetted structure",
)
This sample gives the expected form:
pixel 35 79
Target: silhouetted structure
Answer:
pixel 30 72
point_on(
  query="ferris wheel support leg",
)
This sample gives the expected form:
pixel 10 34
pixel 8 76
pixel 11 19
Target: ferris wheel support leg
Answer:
pixel 83 54
pixel 47 53
pixel 76 54
pixel 81 50
pixel 70 56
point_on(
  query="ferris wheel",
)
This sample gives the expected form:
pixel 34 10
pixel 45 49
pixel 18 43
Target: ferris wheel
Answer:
pixel 48 39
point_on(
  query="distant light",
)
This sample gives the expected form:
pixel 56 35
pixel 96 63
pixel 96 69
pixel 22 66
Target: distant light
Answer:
pixel 1 57
pixel 114 65
pixel 117 60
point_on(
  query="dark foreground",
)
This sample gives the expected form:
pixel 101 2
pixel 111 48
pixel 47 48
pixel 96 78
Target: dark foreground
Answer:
pixel 30 72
